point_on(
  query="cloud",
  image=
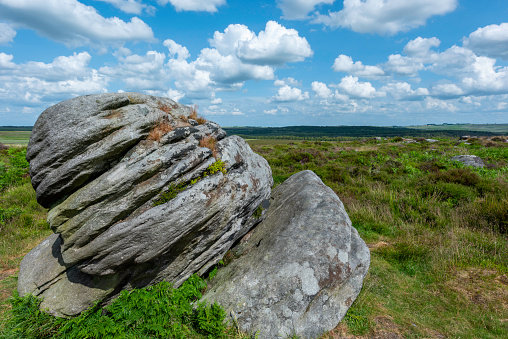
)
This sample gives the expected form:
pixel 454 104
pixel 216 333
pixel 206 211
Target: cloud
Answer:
pixel 140 72
pixel 131 6
pixel 344 63
pixel 7 33
pixel 224 67
pixel 353 88
pixel 72 23
pixel 299 9
pixel 447 90
pixel 402 91
pixel 287 93
pixel 321 90
pixel 174 94
pixel 420 47
pixel 176 49
pixel 403 65
pixel 439 105
pixel 385 17
pixel 276 45
pixel 287 81
pixel 490 41
pixel 36 83
pixel 194 5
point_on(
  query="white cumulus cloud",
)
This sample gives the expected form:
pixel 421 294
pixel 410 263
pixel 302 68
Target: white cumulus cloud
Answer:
pixel 356 89
pixel 194 5
pixel 176 50
pixel 491 41
pixel 73 23
pixel 403 91
pixel 344 63
pixel 276 45
pixel 385 16
pixel 287 93
pixel 36 83
pixel 299 9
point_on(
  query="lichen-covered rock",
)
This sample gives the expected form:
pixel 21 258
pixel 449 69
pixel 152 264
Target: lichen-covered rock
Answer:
pixel 469 160
pixel 134 197
pixel 299 270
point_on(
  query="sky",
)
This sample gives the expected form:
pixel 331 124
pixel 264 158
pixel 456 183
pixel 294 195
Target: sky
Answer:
pixel 263 63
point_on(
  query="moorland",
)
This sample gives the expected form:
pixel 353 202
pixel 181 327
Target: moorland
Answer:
pixel 437 231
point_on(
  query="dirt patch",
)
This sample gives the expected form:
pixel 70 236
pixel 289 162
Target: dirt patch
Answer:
pixel 373 247
pixel 485 288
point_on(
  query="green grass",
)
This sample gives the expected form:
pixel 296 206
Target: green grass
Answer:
pixel 437 231
pixel 15 137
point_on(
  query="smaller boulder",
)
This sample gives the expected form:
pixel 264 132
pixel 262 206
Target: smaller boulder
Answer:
pixel 469 160
pixel 299 270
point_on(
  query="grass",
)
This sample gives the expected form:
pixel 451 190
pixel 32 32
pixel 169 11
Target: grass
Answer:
pixel 15 137
pixel 437 232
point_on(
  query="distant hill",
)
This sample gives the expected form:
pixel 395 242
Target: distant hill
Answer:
pixel 493 128
pixel 310 132
pixel 16 128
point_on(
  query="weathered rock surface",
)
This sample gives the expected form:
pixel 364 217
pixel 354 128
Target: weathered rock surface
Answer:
pixel 469 160
pixel 100 163
pixel 300 269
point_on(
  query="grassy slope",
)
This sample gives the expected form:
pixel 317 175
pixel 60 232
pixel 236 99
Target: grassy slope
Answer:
pixel 439 261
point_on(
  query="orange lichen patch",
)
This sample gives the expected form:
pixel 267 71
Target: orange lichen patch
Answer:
pixel 161 128
pixel 210 143
pixel 483 287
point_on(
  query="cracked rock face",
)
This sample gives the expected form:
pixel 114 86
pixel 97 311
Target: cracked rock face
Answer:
pixel 299 270
pixel 102 165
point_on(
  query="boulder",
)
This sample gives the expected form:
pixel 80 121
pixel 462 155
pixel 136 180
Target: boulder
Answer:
pixel 299 270
pixel 469 160
pixel 140 190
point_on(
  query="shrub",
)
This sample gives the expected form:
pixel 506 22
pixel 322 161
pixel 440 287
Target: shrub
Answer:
pixel 462 176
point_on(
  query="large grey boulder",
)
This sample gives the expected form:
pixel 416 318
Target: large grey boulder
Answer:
pixel 299 270
pixel 469 160
pixel 106 165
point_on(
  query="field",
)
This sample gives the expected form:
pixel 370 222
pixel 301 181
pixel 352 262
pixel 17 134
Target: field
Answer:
pixel 437 231
pixel 14 137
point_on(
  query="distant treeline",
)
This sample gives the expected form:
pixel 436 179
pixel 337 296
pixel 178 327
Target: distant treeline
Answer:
pixel 16 128
pixel 342 132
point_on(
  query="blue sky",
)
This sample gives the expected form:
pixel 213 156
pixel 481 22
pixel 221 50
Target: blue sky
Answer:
pixel 266 63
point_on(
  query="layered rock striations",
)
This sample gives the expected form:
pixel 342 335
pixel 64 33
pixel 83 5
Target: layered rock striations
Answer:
pixel 138 191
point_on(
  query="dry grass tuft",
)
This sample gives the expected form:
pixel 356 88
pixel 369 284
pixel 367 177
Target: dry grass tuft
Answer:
pixel 161 128
pixel 165 108
pixel 210 143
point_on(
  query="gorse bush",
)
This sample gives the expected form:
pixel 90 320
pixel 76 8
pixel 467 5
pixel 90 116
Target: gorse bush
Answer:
pixel 159 311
